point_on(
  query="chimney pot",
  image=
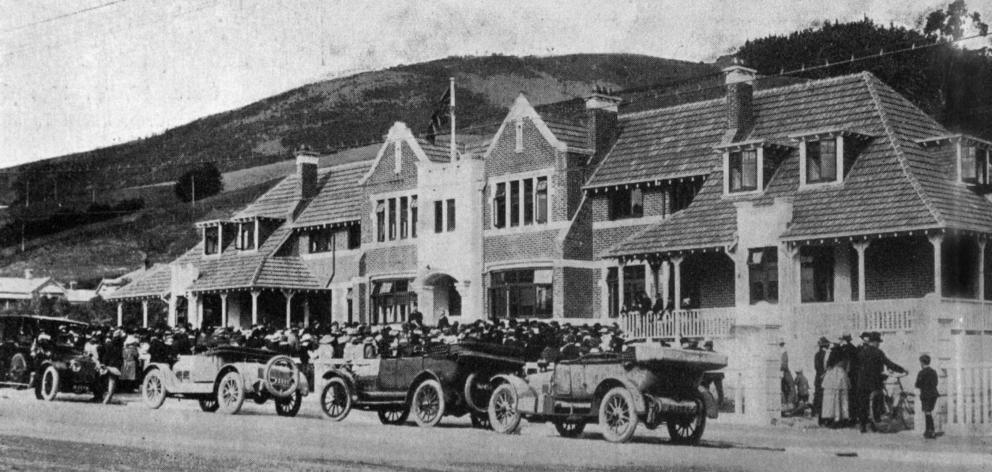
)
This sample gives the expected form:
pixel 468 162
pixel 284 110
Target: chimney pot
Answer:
pixel 306 168
pixel 28 274
pixel 740 93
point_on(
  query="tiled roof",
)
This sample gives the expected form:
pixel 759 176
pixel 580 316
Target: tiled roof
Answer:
pixel 435 152
pixel 339 199
pixel 230 270
pixel 285 272
pixel 22 286
pixel 894 184
pixel 573 135
pixel 278 201
pixel 154 282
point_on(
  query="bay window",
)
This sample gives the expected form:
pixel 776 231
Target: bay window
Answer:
pixel 521 293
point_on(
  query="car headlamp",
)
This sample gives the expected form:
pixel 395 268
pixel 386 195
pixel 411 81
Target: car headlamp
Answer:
pixel 75 366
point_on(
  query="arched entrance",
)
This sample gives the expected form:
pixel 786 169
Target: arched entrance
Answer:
pixel 444 291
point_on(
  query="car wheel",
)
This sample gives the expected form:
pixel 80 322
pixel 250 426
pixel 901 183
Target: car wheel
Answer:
pixel 428 403
pixel 503 415
pixel 480 420
pixel 688 429
pixel 208 405
pixel 49 387
pixel 106 387
pixel 394 416
pixel 281 376
pixel 231 393
pixel 289 406
pixel 335 399
pixel 18 371
pixel 570 429
pixel 153 389
pixel 617 415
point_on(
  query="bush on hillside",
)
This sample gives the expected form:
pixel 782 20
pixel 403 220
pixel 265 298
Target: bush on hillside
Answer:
pixel 199 183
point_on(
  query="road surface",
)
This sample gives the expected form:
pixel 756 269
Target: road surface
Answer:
pixel 73 434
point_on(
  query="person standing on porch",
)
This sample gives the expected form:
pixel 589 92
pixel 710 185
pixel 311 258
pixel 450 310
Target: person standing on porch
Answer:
pixel 926 382
pixel 820 369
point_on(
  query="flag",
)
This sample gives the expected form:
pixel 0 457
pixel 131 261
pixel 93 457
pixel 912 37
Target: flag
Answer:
pixel 440 116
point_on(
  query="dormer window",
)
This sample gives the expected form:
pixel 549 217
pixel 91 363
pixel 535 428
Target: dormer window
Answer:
pixel 826 156
pixel 211 240
pixel 247 236
pixel 822 161
pixel 743 167
pixel 975 165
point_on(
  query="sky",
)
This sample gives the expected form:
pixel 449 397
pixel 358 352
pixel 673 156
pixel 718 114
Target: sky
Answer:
pixel 83 74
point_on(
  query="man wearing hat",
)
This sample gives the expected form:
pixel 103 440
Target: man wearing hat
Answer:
pixel 820 367
pixel 872 363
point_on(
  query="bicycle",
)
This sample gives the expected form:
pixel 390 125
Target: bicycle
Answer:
pixel 889 411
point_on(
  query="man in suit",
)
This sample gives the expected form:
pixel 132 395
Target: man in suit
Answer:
pixel 820 367
pixel 871 364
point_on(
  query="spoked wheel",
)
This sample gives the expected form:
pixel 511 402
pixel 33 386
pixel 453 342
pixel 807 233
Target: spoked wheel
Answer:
pixel 289 406
pixel 503 415
pixel 570 429
pixel 153 389
pixel 481 420
pixel 104 390
pixel 617 415
pixel 394 416
pixel 231 393
pixel 880 412
pixel 208 405
pixel 18 373
pixel 428 403
pixel 335 400
pixel 49 387
pixel 687 429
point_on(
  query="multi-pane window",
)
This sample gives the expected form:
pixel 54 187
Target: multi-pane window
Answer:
pixel 634 284
pixel 763 274
pixel 520 202
pixel 211 240
pixel 821 161
pixel 321 240
pixel 246 235
pixel 396 218
pixel 975 165
pixel 438 216
pixel 627 203
pixel 743 168
pixel 817 274
pixel 392 301
pixel 523 293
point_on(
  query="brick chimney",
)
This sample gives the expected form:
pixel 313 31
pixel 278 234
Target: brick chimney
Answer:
pixel 602 129
pixel 306 170
pixel 740 95
pixel 28 274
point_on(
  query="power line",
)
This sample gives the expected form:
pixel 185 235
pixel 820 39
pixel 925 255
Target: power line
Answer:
pixel 60 17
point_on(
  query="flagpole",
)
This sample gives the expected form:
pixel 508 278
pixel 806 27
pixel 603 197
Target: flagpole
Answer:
pixel 452 116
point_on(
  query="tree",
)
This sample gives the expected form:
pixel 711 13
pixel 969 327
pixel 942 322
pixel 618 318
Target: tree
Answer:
pixel 201 182
pixel 951 24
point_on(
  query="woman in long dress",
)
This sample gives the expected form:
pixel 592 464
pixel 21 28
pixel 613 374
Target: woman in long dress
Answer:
pixel 835 389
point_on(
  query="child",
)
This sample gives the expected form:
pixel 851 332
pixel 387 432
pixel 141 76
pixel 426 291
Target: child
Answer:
pixel 926 381
pixel 802 388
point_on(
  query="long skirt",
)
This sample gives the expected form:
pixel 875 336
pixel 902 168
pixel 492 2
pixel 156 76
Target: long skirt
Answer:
pixel 835 395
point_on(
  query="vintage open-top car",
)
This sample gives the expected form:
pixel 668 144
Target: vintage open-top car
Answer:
pixel 224 377
pixel 17 333
pixel 65 369
pixel 647 383
pixel 445 380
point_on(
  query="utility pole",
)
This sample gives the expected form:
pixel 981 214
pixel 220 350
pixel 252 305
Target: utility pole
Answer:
pixel 193 200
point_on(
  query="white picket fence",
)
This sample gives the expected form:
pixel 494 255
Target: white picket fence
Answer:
pixel 705 323
pixel 969 399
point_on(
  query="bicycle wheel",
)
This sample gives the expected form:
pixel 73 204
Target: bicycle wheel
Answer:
pixel 880 411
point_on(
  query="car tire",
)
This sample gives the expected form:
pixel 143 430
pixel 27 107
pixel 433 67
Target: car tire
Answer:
pixel 335 399
pixel 289 407
pixel 617 416
pixel 689 429
pixel 427 404
pixel 394 416
pixel 18 371
pixel 106 387
pixel 570 429
pixel 208 405
pixel 48 386
pixel 231 393
pixel 504 418
pixel 153 389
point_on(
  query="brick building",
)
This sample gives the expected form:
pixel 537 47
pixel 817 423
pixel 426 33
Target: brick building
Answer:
pixel 762 216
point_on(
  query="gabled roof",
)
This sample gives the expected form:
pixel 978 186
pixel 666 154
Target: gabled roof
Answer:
pixel 152 283
pixel 573 134
pixel 285 272
pixel 339 199
pixel 21 288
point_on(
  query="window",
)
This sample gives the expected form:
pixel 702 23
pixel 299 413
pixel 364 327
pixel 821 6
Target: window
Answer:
pixel 682 193
pixel 380 220
pixel 634 283
pixel 211 240
pixel 519 135
pixel 817 274
pixel 521 294
pixel 321 240
pixel 541 201
pixel 514 203
pixel 499 206
pixel 413 216
pixel 762 266
pixel 528 201
pixel 821 161
pixel 438 216
pixel 354 236
pixel 392 301
pixel 392 219
pixel 626 203
pixel 975 165
pixel 743 170
pixel 246 235
pixel 404 224
pixel 451 214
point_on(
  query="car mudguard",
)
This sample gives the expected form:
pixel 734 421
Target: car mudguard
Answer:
pixel 169 379
pixel 347 376
pixel 712 409
pixel 639 406
pixel 526 396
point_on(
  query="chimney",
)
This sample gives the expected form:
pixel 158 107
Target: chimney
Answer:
pixel 306 169
pixel 601 110
pixel 740 94
pixel 28 274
